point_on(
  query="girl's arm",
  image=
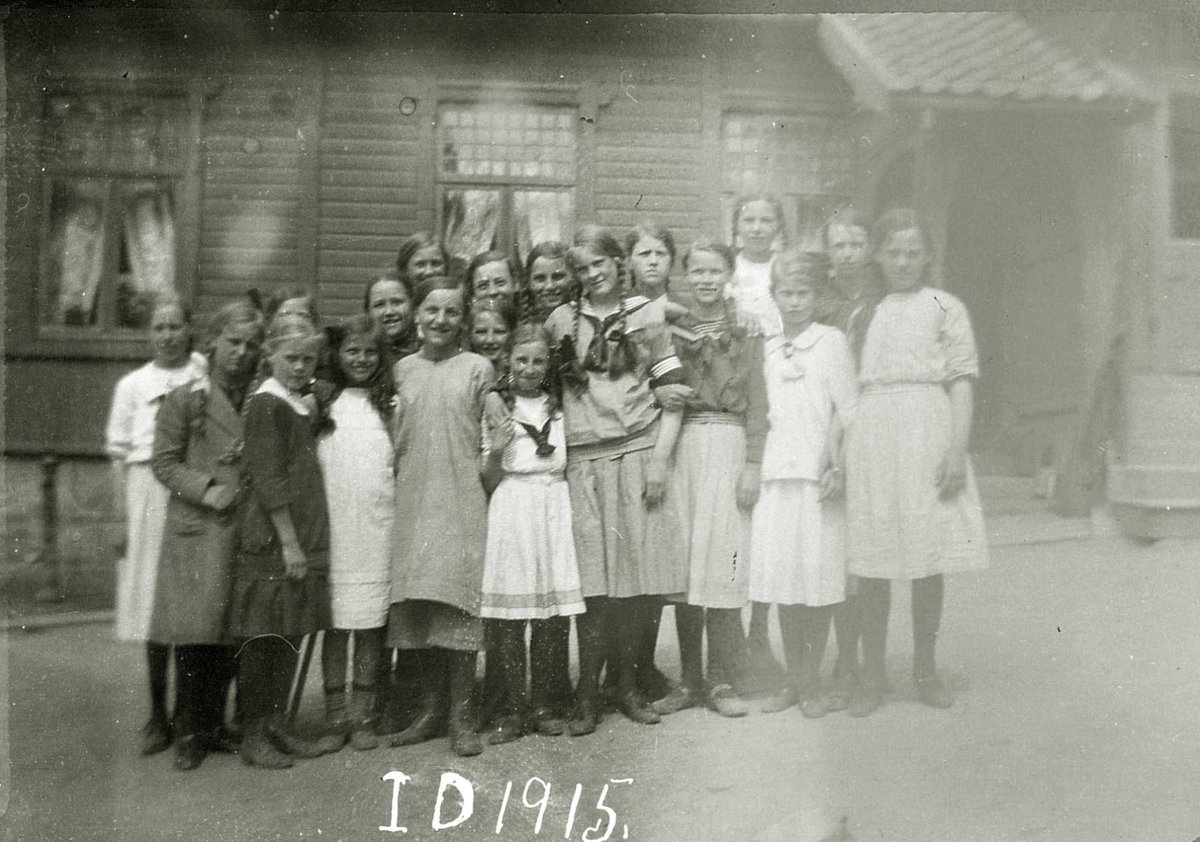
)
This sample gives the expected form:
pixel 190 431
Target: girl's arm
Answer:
pixel 953 471
pixel 267 464
pixel 843 394
pixel 496 436
pixel 756 426
pixel 169 463
pixel 118 440
pixel 660 458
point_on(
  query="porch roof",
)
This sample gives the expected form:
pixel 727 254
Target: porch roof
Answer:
pixel 964 57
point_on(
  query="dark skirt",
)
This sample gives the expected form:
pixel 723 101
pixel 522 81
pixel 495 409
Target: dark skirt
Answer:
pixel 274 604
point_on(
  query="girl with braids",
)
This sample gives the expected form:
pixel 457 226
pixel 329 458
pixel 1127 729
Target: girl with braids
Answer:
pixel 627 531
pixel 198 457
pixel 547 279
pixel 440 530
pixel 356 461
pixel 530 569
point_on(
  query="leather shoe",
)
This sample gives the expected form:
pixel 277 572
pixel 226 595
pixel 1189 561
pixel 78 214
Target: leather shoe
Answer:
pixel 188 753
pixel 585 718
pixel 546 722
pixel 219 740
pixel 257 750
pixel 726 702
pixel 933 692
pixel 156 737
pixel 634 708
pixel 506 729
pixel 867 698
pixel 680 698
pixel 781 700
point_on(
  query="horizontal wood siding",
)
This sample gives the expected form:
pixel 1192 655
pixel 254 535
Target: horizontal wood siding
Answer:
pixel 250 198
pixel 370 154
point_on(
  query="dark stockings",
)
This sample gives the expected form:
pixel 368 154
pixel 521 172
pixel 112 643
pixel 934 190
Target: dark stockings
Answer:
pixel 549 663
pixel 928 595
pixel 158 655
pixel 689 624
pixel 874 603
pixel 847 628
pixel 510 664
pixel 726 643
pixel 265 669
pixel 591 628
pixel 368 651
pixel 202 684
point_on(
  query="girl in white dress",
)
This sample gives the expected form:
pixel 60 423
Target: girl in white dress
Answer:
pixel 530 570
pixel 356 460
pixel 129 442
pixel 914 511
pixel 797 547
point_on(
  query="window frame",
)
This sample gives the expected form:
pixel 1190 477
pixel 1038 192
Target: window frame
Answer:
pixel 500 94
pixel 44 340
pixel 749 105
pixel 1179 102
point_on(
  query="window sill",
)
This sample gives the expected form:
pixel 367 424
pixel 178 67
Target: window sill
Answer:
pixel 66 344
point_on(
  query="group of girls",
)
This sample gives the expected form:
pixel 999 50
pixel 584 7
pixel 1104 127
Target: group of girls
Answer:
pixel 564 438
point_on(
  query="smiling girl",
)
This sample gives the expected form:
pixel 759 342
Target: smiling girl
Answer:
pixel 440 528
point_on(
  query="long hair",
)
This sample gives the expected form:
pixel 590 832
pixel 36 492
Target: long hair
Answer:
pixel 527 304
pixel 380 387
pixel 601 241
pixel 552 385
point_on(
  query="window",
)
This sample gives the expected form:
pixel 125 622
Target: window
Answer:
pixel 1185 167
pixel 507 174
pixel 807 160
pixel 112 163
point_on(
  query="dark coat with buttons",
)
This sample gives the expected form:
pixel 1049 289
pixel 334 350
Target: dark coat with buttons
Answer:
pixel 197 444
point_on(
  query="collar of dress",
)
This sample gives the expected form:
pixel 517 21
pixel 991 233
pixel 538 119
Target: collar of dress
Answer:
pixel 809 337
pixel 271 386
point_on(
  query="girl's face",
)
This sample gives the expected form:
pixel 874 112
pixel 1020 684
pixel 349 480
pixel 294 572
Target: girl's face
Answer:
pixel 489 336
pixel 794 297
pixel 708 275
pixel 293 361
pixel 425 263
pixel 528 364
pixel 235 352
pixel 297 307
pixel 847 246
pixel 169 335
pixel 548 281
pixel 359 358
pixel 903 258
pixel 757 227
pixel 440 319
pixel 493 280
pixel 650 263
pixel 598 273
pixel 391 308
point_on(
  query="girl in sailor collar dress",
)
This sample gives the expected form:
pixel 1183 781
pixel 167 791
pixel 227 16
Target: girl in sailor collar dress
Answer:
pixel 797 549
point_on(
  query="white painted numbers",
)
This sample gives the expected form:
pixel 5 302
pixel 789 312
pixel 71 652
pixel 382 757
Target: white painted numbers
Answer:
pixel 536 795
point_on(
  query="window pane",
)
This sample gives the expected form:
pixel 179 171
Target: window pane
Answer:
pixel 786 153
pixel 73 252
pixel 116 132
pixel 517 141
pixel 542 215
pixel 470 219
pixel 146 269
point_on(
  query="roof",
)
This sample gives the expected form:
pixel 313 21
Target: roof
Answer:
pixel 995 55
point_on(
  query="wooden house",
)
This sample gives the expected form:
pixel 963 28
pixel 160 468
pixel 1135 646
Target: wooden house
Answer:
pixel 210 152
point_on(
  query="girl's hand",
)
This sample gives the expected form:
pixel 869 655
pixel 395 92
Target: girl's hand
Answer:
pixel 294 562
pixel 219 497
pixel 749 484
pixel 674 397
pixel 952 473
pixel 748 322
pixel 833 483
pixel 655 488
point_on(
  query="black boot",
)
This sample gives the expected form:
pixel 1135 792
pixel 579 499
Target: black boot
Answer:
pixel 431 718
pixel 463 739
pixel 590 627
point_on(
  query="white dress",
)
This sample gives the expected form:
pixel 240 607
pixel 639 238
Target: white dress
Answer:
pixel 797 545
pixel 356 462
pixel 530 569
pixel 750 291
pixel 900 528
pixel 129 437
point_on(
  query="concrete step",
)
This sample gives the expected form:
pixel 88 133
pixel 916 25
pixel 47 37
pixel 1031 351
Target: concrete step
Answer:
pixel 1155 485
pixel 1162 407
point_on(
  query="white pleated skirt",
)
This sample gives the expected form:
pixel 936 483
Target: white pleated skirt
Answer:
pixel 797 545
pixel 530 571
pixel 137 573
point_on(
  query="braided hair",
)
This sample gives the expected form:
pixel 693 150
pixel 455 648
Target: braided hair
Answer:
pixel 616 361
pixel 552 384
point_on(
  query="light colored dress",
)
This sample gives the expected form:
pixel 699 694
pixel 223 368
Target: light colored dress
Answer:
pixel 797 548
pixel 356 462
pixel 440 530
pixel 530 570
pixel 917 343
pixel 129 436
pixel 750 290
